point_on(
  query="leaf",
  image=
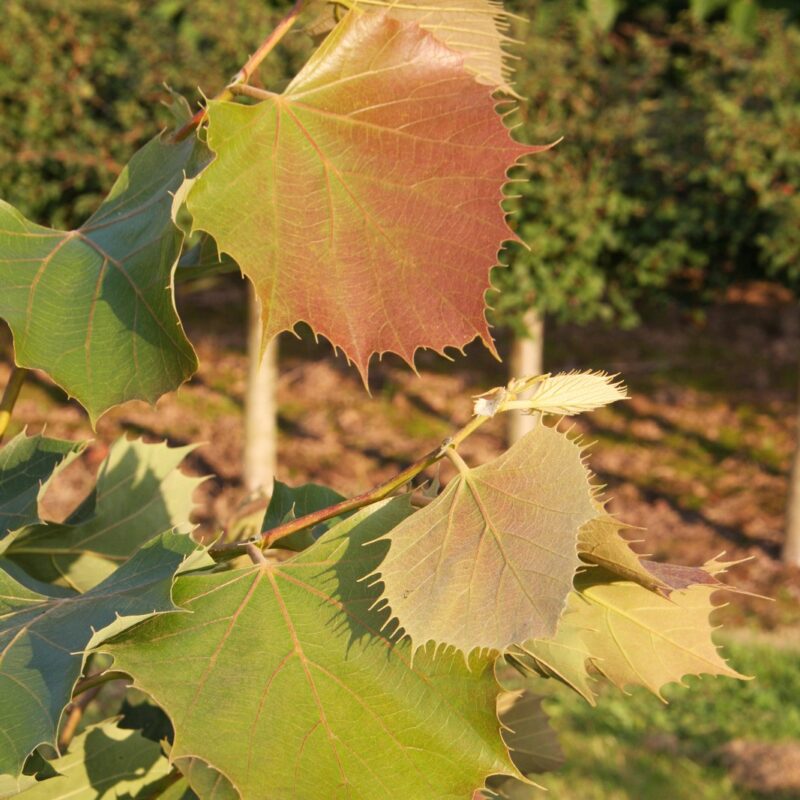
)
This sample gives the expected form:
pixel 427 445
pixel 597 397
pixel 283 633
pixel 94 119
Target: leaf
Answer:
pixel 639 638
pixel 527 732
pixel 103 762
pixel 365 200
pixel 93 307
pixel 490 562
pixel 570 393
pixel 600 542
pixel 140 491
pixel 26 465
pixel 42 640
pixel 533 744
pixel 478 29
pixel 289 502
pixel 205 782
pixel 563 658
pixel 322 697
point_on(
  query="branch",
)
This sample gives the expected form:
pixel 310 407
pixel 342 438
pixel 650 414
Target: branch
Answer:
pixel 74 714
pixel 246 72
pixel 98 679
pixel 10 395
pixel 384 490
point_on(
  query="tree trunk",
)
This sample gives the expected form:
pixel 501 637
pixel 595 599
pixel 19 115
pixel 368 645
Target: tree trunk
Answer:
pixel 261 407
pixel 791 544
pixel 527 359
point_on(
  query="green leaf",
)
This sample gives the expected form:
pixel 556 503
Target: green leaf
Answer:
pixel 103 762
pixel 289 502
pixel 26 465
pixel 140 491
pixel 205 782
pixel 490 562
pixel 42 640
pixel 93 307
pixel 478 29
pixel 365 200
pixel 290 658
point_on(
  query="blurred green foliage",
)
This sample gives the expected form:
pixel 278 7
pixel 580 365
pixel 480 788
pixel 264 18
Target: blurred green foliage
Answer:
pixel 679 170
pixel 82 86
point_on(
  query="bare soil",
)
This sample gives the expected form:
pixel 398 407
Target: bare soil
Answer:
pixel 699 457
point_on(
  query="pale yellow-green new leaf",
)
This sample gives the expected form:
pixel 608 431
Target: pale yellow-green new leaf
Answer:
pixel 636 637
pixel 490 562
pixel 478 29
pixel 563 657
pixel 639 638
pixel 570 393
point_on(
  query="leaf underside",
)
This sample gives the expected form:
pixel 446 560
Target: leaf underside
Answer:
pixel 42 640
pixel 322 697
pixel 93 307
pixel 366 199
pixel 139 490
pixel 491 561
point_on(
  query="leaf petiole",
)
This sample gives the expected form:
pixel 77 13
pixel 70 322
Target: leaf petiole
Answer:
pixel 10 395
pixel 246 72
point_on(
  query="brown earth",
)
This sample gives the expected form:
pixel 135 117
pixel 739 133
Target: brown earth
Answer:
pixel 699 456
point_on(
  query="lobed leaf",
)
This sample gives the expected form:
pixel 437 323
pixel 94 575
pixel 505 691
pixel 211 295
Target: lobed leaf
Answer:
pixel 601 543
pixel 478 29
pixel 289 660
pixel 93 307
pixel 43 638
pixel 490 562
pixel 139 491
pixel 291 502
pixel 104 762
pixel 632 636
pixel 27 463
pixel 364 200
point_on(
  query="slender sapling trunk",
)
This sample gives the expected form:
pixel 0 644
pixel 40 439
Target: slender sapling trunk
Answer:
pixel 527 359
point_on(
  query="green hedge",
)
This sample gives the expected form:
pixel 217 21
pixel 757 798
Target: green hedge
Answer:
pixel 679 169
pixel 82 86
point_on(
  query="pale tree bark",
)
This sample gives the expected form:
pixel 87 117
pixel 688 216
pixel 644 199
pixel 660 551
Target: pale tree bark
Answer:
pixel 261 406
pixel 527 359
pixel 791 544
